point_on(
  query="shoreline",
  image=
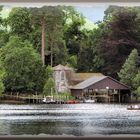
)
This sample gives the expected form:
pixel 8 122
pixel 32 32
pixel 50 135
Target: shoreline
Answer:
pixel 11 102
pixel 73 136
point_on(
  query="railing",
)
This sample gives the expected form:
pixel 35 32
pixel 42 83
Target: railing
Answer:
pixel 23 98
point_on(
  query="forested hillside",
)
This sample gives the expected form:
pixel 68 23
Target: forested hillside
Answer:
pixel 33 38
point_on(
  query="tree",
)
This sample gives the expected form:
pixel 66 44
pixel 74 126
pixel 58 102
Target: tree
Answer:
pixel 120 34
pixel 84 57
pixel 138 90
pixel 88 59
pixel 1 7
pixel 136 83
pixel 39 19
pixel 2 76
pixel 49 72
pixel 1 87
pixel 19 20
pixel 72 61
pixel 4 37
pixel 49 87
pixel 41 26
pixel 129 68
pixel 60 53
pixel 4 34
pixel 73 34
pixel 49 20
pixel 23 66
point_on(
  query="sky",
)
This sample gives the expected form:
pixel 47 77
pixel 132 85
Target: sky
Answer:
pixel 93 13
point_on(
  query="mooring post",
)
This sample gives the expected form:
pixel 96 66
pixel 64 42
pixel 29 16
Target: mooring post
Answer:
pixel 119 97
pixel 17 95
pixel 33 99
pixel 36 98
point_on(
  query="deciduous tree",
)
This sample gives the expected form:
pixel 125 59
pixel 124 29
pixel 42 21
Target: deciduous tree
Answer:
pixel 119 38
pixel 19 21
pixel 23 66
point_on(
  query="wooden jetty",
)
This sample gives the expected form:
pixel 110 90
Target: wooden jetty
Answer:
pixel 33 99
pixel 28 99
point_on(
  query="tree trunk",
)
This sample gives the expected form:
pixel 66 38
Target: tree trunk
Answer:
pixel 43 42
pixel 51 47
pixel 51 57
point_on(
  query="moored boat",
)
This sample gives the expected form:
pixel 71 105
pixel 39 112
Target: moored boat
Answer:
pixel 71 102
pixel 48 100
pixel 89 101
pixel 133 107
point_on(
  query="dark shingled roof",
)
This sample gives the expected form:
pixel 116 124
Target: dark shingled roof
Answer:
pixel 88 82
pixel 93 80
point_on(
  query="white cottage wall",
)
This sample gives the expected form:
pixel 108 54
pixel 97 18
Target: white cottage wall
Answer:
pixel 60 80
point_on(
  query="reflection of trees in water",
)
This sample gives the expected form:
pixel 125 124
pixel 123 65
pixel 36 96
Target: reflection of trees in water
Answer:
pixel 51 127
pixel 4 128
pixel 33 128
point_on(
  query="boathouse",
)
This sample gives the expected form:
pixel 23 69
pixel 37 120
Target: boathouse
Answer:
pixel 102 89
pixel 90 85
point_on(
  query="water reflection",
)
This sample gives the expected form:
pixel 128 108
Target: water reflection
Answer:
pixel 77 119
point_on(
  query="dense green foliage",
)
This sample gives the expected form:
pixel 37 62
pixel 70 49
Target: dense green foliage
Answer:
pixel 72 61
pixel 54 34
pixel 120 35
pixel 49 88
pixel 2 76
pixel 49 72
pixel 49 21
pixel 23 66
pixel 130 68
pixel 138 91
pixel 136 83
pixel 20 22
pixel 130 72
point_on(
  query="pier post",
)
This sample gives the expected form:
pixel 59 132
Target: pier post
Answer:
pixel 17 95
pixel 33 99
pixel 119 97
pixel 36 98
pixel 29 98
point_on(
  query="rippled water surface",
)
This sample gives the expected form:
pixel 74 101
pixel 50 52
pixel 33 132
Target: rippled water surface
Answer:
pixel 71 120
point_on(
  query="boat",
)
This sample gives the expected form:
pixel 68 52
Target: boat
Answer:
pixel 48 100
pixel 89 101
pixel 133 107
pixel 71 102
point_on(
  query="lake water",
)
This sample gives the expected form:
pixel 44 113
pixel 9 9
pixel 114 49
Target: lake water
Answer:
pixel 68 120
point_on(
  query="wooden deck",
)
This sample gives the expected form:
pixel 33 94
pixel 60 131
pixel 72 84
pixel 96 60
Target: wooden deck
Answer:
pixel 30 99
pixel 22 99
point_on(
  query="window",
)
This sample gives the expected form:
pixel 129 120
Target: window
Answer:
pixel 62 75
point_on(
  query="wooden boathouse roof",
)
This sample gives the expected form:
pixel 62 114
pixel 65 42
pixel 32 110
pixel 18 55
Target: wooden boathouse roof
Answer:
pixel 84 76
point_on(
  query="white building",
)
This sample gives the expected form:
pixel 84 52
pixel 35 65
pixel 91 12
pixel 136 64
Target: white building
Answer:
pixel 61 74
